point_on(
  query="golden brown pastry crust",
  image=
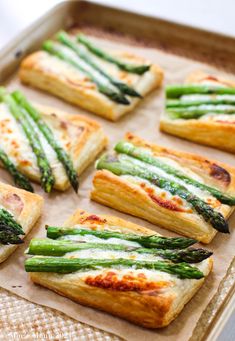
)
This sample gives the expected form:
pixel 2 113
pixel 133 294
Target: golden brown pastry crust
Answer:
pixel 219 134
pixel 30 210
pixel 82 92
pixel 117 192
pixel 143 308
pixel 86 143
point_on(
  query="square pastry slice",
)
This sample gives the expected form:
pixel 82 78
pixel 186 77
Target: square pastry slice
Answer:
pixel 202 110
pixel 19 211
pixel 179 191
pixel 122 268
pixel 106 82
pixel 45 144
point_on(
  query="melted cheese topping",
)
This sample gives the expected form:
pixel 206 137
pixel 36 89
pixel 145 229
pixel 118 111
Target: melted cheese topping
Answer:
pixel 70 73
pixel 108 254
pixel 93 239
pixel 226 118
pixel 151 275
pixel 158 192
pixel 121 273
pixel 230 118
pixel 186 171
pixel 204 195
pixel 16 145
pixel 206 97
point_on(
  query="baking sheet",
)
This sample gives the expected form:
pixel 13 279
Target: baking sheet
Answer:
pixel 58 206
pixel 24 320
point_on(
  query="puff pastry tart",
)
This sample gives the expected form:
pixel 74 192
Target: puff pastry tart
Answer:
pixel 45 144
pixel 107 83
pixel 182 192
pixel 119 267
pixel 19 211
pixel 202 110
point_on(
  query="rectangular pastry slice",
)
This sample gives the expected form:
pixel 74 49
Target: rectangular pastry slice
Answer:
pixel 19 211
pixel 46 144
pixel 114 265
pixel 108 83
pixel 179 191
pixel 202 110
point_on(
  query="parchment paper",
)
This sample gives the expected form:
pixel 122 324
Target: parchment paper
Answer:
pixel 58 206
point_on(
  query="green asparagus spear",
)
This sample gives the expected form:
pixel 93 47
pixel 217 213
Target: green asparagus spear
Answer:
pixel 175 91
pixel 62 155
pixel 200 110
pixel 64 38
pixel 153 241
pixel 47 178
pixel 9 228
pixel 8 235
pixel 7 219
pixel 103 85
pixel 148 157
pixel 128 167
pixel 68 265
pixel 194 100
pixel 138 69
pixel 49 247
pixel 19 178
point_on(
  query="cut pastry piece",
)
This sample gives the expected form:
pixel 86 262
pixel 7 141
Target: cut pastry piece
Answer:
pixel 45 144
pixel 202 110
pixel 107 83
pixel 181 192
pixel 19 211
pixel 122 268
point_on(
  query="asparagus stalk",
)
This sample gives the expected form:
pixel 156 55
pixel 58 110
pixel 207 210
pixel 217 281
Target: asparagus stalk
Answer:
pixel 62 155
pixel 47 178
pixel 103 87
pixel 7 219
pixel 127 167
pixel 175 91
pixel 68 265
pixel 194 100
pixel 138 69
pixel 153 241
pixel 48 247
pixel 19 178
pixel 64 38
pixel 148 157
pixel 198 111
pixel 9 228
pixel 8 235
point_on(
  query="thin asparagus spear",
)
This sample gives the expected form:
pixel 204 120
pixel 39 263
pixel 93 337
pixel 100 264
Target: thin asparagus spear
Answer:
pixel 49 247
pixel 152 241
pixel 19 178
pixel 103 87
pixel 147 156
pixel 9 228
pixel 7 219
pixel 8 235
pixel 68 265
pixel 138 69
pixel 198 111
pixel 193 100
pixel 47 178
pixel 175 91
pixel 64 38
pixel 62 155
pixel 127 167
